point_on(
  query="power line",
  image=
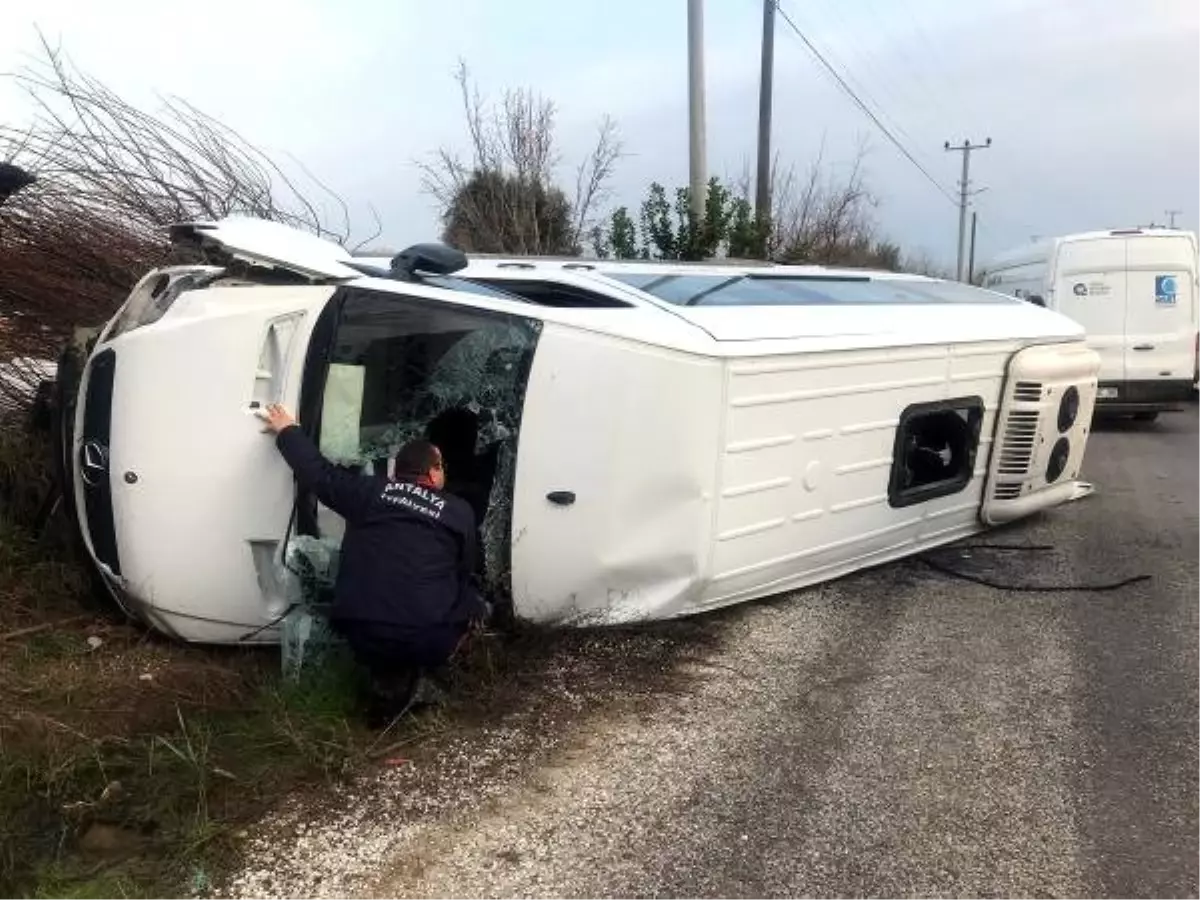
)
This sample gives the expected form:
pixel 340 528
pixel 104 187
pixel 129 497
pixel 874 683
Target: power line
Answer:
pixel 934 57
pixel 890 87
pixel 860 83
pixel 849 91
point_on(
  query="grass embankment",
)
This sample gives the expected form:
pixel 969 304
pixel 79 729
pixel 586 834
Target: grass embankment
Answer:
pixel 128 763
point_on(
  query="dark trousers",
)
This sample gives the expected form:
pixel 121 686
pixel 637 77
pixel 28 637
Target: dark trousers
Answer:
pixel 394 660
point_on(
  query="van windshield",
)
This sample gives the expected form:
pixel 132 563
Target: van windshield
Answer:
pixel 783 290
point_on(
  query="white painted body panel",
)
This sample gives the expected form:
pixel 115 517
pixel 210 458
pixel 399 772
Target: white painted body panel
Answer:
pixel 273 244
pixel 633 432
pixel 1028 429
pixel 704 482
pixel 210 491
pixel 1161 336
pixel 807 457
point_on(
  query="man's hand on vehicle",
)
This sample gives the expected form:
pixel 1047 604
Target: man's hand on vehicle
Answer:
pixel 276 417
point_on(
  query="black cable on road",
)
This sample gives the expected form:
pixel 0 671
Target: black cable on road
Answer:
pixel 1030 588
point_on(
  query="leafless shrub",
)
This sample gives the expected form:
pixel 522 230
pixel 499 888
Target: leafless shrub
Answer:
pixel 823 215
pixel 110 177
pixel 921 263
pixel 503 198
pixel 153 168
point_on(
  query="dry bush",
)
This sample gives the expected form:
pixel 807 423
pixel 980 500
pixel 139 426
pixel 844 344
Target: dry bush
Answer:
pixel 504 197
pixel 110 178
pixel 823 215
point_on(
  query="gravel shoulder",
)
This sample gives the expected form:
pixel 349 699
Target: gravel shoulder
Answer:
pixel 900 732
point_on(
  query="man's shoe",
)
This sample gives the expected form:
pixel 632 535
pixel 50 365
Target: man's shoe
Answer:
pixel 391 696
pixel 430 691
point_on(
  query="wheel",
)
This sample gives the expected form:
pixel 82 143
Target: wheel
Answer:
pixel 1145 416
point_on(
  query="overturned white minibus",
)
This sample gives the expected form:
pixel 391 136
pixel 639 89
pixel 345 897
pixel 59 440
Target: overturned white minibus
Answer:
pixel 638 440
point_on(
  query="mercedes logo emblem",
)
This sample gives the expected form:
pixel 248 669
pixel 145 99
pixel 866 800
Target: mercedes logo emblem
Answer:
pixel 93 463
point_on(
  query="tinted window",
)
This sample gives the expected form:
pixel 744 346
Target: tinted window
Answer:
pixel 637 281
pixel 549 293
pixel 776 290
pixel 452 283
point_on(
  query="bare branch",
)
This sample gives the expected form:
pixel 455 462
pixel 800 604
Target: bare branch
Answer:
pixel 504 197
pixel 593 175
pixel 110 177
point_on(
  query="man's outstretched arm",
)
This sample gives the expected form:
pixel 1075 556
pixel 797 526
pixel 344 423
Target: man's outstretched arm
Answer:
pixel 348 494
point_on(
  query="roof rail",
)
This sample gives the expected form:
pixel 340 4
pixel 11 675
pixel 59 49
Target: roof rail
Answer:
pixel 517 260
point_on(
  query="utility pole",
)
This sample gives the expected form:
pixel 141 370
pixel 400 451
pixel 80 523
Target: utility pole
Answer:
pixel 1171 214
pixel 965 149
pixel 762 196
pixel 971 257
pixel 696 107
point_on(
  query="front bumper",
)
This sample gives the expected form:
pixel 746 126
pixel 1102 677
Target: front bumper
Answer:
pixel 1143 396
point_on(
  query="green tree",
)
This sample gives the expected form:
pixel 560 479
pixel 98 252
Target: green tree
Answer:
pixel 668 230
pixel 658 234
pixel 747 235
pixel 822 217
pixel 622 235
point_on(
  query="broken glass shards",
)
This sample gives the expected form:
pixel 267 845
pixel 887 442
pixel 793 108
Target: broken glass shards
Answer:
pixel 306 639
pixel 305 634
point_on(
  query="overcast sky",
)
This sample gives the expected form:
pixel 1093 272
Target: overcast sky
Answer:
pixel 1093 106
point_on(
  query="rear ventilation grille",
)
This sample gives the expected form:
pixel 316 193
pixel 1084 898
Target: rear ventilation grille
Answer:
pixel 1020 437
pixel 1027 392
pixel 1007 491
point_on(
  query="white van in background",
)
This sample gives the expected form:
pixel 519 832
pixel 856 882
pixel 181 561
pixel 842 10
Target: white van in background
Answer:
pixel 1135 293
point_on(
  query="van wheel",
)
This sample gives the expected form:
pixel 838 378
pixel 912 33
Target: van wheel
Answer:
pixel 1145 416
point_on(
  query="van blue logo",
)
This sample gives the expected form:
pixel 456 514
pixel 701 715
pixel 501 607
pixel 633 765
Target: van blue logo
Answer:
pixel 1165 289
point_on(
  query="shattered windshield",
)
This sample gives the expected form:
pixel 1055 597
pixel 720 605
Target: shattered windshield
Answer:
pixel 784 290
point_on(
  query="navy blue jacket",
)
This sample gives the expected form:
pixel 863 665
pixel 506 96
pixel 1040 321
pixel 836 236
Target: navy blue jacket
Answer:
pixel 408 553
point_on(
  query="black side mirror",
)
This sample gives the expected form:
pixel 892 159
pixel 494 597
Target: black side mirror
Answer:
pixel 434 259
pixel 1036 299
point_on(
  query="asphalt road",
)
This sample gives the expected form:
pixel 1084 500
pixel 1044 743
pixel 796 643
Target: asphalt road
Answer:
pixel 898 732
